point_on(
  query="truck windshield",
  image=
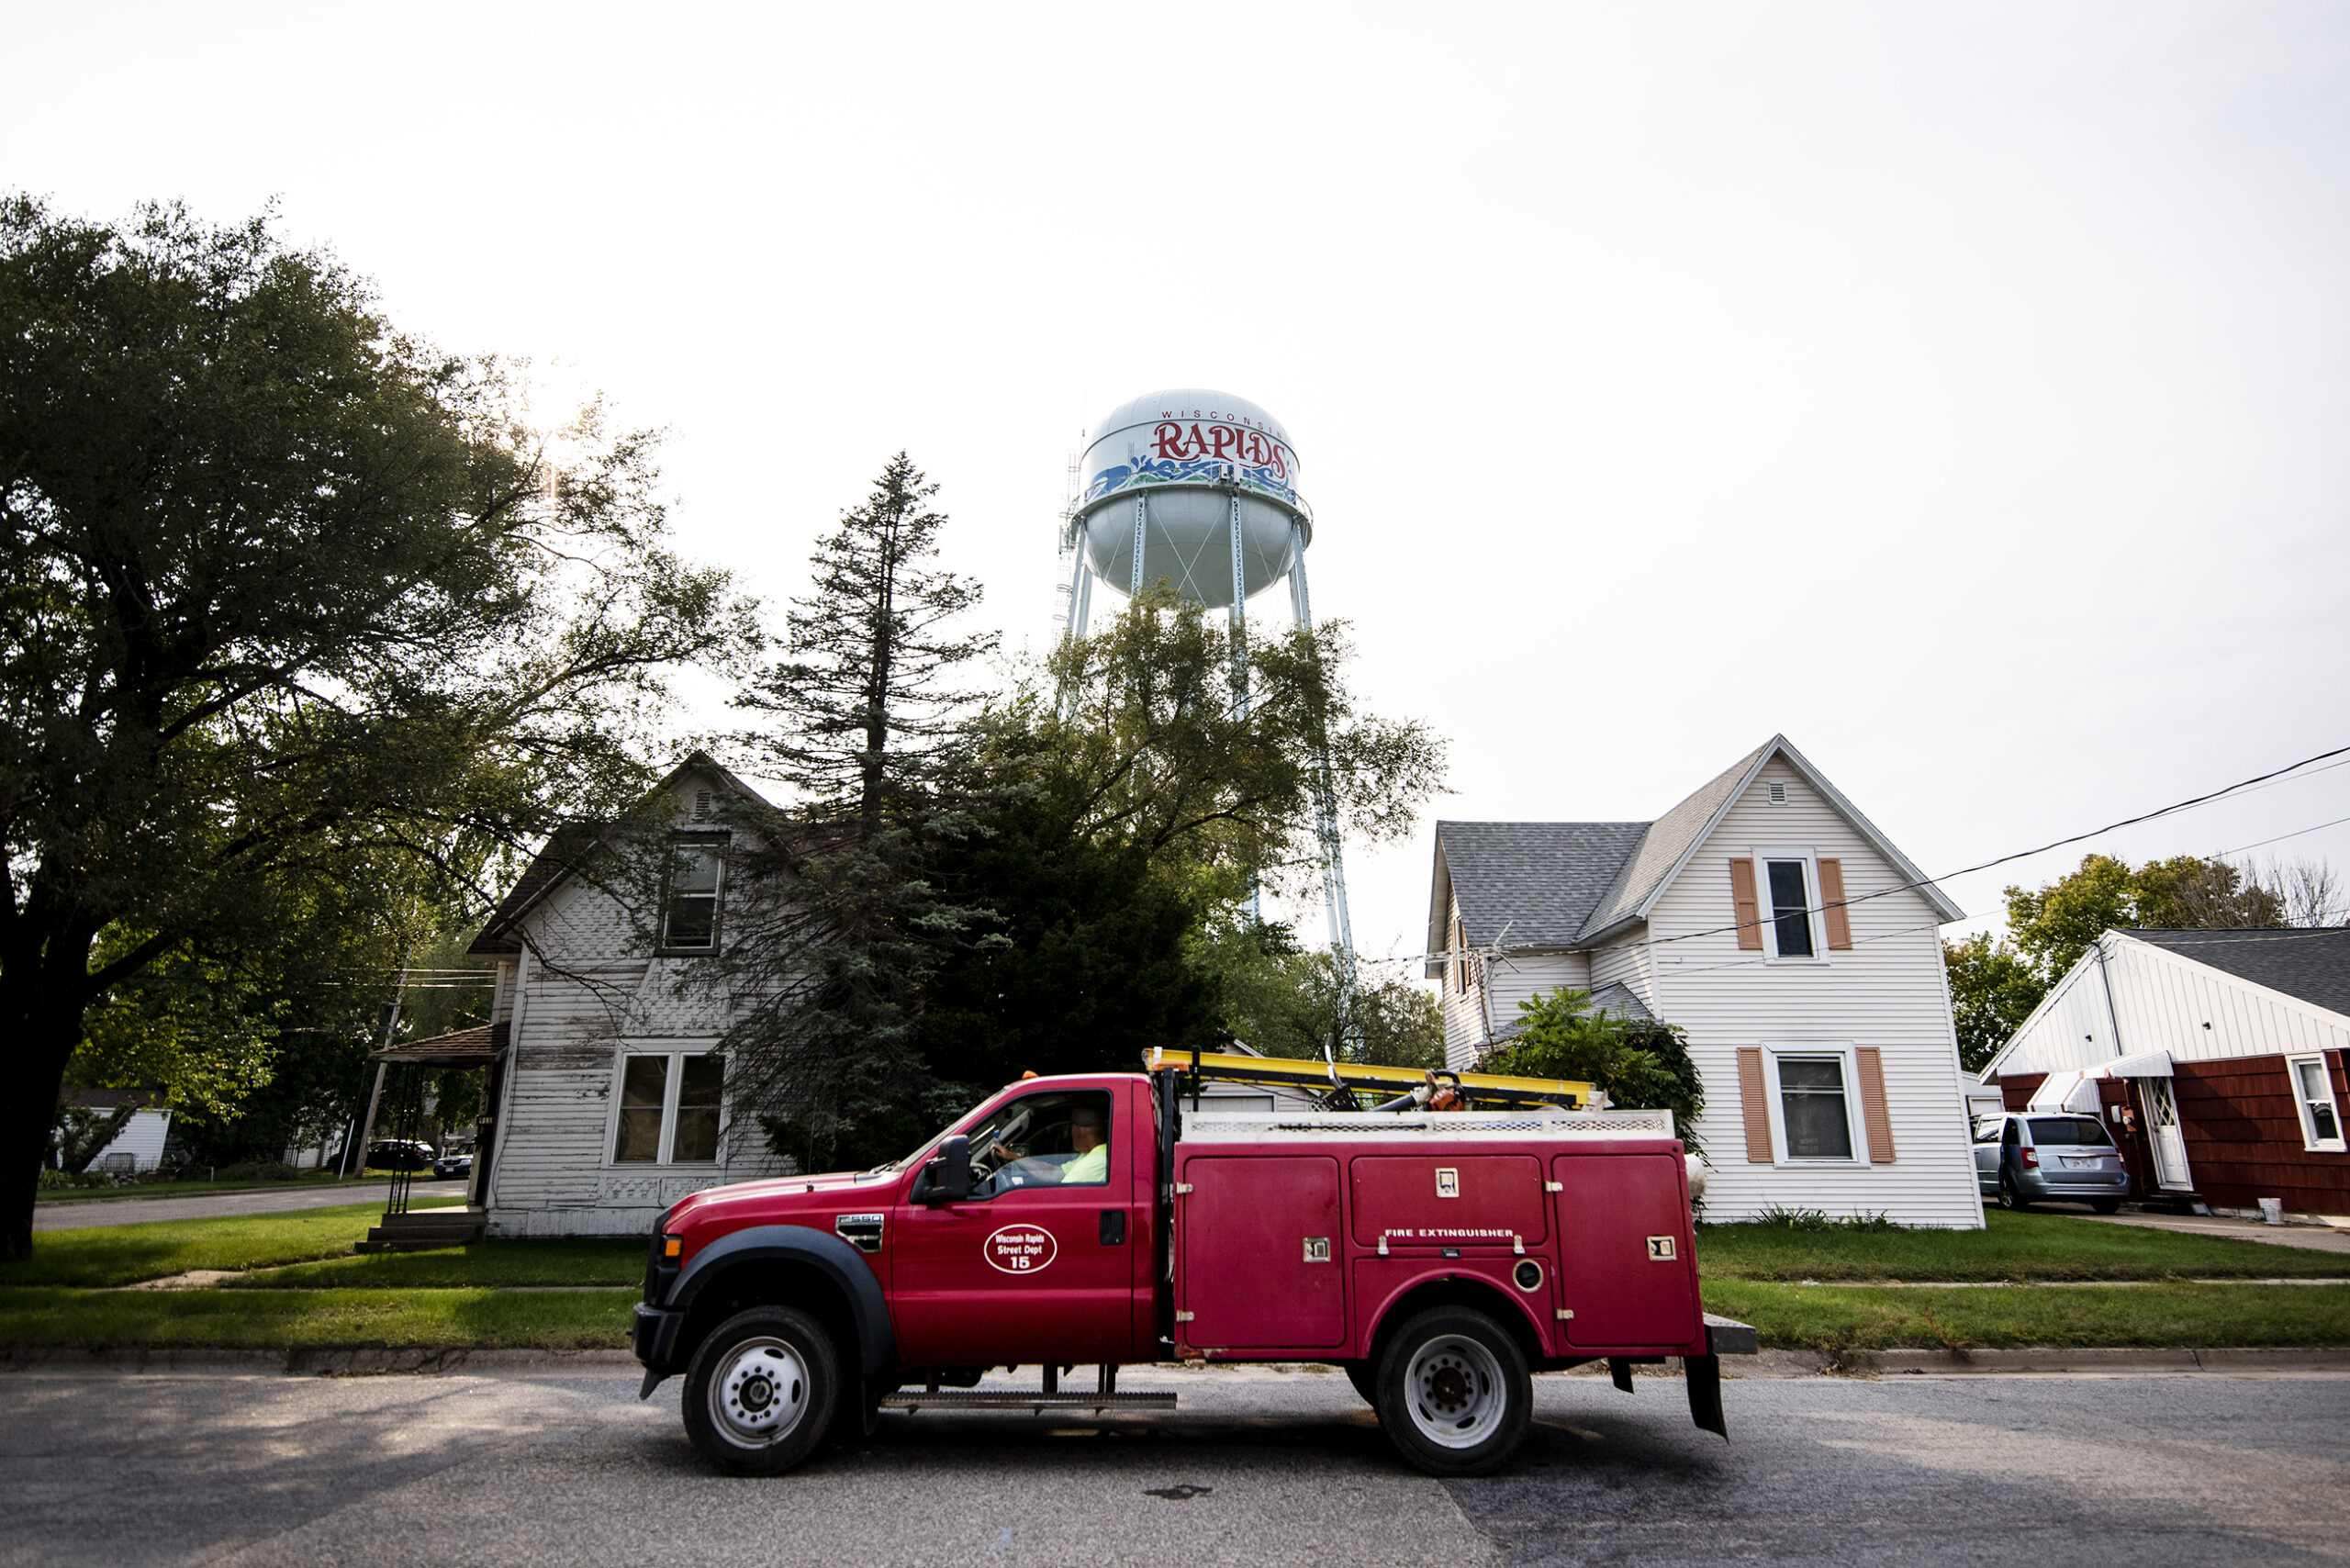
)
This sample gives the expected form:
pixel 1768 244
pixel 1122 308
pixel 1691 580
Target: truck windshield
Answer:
pixel 2069 1130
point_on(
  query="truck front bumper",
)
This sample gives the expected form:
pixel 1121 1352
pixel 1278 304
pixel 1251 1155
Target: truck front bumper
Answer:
pixel 656 1337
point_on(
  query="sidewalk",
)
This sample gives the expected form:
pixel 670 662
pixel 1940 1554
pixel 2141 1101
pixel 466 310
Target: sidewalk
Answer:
pixel 262 1201
pixel 2310 1237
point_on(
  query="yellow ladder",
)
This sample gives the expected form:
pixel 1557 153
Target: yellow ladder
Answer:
pixel 1485 1087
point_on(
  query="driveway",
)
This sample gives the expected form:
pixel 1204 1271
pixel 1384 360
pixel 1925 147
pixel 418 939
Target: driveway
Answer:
pixel 103 1467
pixel 2312 1237
pixel 81 1214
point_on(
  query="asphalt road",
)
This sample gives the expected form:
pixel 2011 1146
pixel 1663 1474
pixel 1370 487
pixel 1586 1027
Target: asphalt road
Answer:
pixel 110 1467
pixel 84 1213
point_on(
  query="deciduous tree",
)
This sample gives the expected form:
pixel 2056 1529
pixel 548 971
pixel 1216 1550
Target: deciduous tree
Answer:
pixel 280 590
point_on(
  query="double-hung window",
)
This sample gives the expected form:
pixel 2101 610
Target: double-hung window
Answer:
pixel 690 894
pixel 1814 1109
pixel 2313 1093
pixel 1790 891
pixel 669 1108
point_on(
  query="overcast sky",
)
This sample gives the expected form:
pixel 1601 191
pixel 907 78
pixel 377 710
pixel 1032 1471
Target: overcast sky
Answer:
pixel 1961 390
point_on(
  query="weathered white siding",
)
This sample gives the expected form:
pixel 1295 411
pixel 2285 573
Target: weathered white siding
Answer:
pixel 580 999
pixel 1887 991
pixel 2162 1002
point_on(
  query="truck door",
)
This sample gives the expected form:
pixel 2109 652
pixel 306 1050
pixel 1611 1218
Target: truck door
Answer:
pixel 1032 1267
pixel 1625 1271
pixel 1259 1239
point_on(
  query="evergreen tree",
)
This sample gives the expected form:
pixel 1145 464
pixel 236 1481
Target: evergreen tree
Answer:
pixel 838 919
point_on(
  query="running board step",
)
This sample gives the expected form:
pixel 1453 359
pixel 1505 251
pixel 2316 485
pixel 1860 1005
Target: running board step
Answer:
pixel 1015 1399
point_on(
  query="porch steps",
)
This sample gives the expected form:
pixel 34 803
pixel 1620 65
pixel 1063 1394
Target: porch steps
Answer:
pixel 419 1230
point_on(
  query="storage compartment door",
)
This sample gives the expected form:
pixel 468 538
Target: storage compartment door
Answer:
pixel 1625 1269
pixel 1261 1253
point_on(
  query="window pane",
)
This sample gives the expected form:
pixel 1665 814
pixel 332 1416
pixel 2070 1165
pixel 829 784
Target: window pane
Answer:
pixel 1811 1100
pixel 1790 909
pixel 1043 1140
pixel 2069 1130
pixel 2319 1095
pixel 691 918
pixel 699 1086
pixel 642 1084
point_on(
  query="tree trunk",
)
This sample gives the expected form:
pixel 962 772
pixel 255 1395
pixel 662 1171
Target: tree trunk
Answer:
pixel 45 1040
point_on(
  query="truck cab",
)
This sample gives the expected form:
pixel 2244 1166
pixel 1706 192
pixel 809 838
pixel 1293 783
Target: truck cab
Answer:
pixel 1439 1258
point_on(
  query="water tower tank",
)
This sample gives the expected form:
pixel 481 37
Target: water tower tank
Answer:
pixel 1184 457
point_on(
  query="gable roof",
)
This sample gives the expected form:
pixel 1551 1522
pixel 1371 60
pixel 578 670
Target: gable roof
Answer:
pixel 1545 881
pixel 567 848
pixel 2311 965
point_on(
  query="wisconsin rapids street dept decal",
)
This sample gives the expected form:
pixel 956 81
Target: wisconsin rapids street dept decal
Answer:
pixel 1020 1249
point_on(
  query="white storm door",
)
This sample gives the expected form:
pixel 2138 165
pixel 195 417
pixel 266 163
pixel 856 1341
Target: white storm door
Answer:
pixel 2169 1141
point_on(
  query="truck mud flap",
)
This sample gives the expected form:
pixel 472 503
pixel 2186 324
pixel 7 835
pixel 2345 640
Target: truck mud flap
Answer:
pixel 1704 1374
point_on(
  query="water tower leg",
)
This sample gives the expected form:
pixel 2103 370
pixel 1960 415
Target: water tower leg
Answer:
pixel 1081 596
pixel 1240 664
pixel 1142 522
pixel 1326 801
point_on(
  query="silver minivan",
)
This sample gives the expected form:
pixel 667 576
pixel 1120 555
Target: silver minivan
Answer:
pixel 2025 1158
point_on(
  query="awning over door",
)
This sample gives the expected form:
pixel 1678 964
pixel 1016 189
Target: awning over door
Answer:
pixel 2076 1091
pixel 2145 1064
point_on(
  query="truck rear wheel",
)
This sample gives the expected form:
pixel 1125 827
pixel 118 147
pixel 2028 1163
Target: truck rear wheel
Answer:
pixel 1453 1393
pixel 760 1392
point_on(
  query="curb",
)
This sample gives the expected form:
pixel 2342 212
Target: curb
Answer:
pixel 355 1362
pixel 2108 1360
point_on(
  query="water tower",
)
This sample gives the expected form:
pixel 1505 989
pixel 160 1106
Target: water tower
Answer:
pixel 1200 489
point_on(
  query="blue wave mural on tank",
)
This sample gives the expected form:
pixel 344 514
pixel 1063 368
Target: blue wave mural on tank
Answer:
pixel 1148 470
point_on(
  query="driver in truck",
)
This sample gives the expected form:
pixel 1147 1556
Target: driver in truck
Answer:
pixel 1088 1166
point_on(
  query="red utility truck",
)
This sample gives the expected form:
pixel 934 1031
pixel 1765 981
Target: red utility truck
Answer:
pixel 1436 1257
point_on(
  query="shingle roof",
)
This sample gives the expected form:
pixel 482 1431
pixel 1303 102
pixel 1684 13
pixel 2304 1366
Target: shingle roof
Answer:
pixel 2314 965
pixel 1669 838
pixel 1565 885
pixel 1540 879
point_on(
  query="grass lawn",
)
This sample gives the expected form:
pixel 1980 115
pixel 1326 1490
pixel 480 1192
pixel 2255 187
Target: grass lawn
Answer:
pixel 100 1320
pixel 1833 1318
pixel 2014 1247
pixel 572 1261
pixel 123 1254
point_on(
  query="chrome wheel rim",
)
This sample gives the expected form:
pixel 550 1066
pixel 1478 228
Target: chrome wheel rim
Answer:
pixel 760 1393
pixel 1454 1391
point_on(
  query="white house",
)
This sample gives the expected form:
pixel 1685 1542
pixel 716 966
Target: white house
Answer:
pixel 139 1144
pixel 2215 1057
pixel 1795 946
pixel 610 1091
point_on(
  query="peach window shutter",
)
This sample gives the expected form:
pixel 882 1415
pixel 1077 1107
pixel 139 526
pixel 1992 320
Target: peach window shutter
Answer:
pixel 1870 1064
pixel 1748 914
pixel 1755 1105
pixel 1831 894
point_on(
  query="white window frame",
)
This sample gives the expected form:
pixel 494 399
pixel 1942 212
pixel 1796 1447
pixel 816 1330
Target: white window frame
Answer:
pixel 2309 1141
pixel 672 1085
pixel 1811 902
pixel 1856 1133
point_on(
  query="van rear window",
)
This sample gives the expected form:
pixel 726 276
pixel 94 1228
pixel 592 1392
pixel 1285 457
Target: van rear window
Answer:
pixel 2069 1130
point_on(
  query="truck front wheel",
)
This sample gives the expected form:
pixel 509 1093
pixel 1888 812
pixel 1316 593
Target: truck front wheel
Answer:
pixel 761 1390
pixel 1454 1392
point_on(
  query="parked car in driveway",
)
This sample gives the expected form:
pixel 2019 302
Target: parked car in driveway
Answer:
pixel 2021 1159
pixel 454 1165
pixel 400 1153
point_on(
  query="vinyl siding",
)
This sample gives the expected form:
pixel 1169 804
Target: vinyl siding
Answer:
pixel 1500 984
pixel 1887 991
pixel 2243 1122
pixel 2162 1002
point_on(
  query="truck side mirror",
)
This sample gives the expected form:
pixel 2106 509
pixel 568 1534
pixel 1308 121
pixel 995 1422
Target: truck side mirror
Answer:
pixel 949 1172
